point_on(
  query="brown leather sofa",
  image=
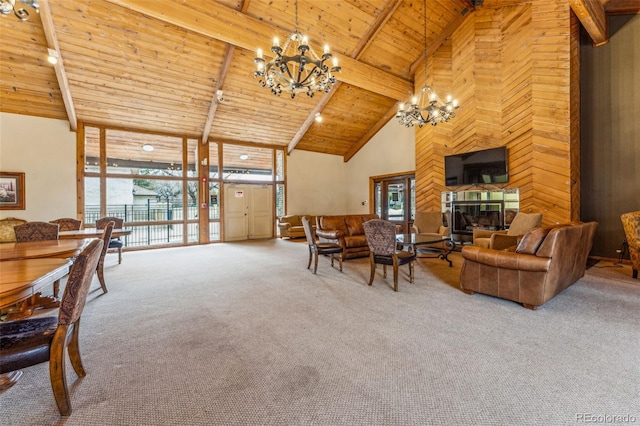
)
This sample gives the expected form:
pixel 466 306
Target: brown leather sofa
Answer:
pixel 545 262
pixel 291 225
pixel 346 230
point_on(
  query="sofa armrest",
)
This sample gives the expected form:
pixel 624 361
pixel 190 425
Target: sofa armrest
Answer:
pixel 485 233
pixel 506 259
pixel 330 234
pixel 503 241
pixel 284 225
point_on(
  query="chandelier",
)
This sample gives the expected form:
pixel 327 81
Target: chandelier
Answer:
pixel 8 6
pixel 296 68
pixel 425 107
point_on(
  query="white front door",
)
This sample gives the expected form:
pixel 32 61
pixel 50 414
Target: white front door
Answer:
pixel 247 212
pixel 236 210
pixel 260 220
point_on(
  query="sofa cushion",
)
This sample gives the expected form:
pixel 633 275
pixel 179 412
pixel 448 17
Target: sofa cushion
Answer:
pixel 355 241
pixel 354 225
pixel 531 241
pixel 334 223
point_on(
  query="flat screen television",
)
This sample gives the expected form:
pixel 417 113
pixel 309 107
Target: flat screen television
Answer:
pixel 477 167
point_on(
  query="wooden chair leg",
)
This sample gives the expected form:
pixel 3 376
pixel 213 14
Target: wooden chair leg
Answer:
pixel 119 255
pixel 74 351
pixel 384 271
pixel 340 260
pixel 56 288
pixel 634 274
pixel 315 263
pixel 411 271
pixel 395 275
pixel 373 269
pixel 310 257
pixel 100 271
pixel 57 371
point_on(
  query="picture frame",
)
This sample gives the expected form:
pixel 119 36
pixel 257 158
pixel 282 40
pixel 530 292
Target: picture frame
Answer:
pixel 12 196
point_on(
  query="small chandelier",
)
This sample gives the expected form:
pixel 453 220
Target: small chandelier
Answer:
pixel 8 6
pixel 425 108
pixel 296 67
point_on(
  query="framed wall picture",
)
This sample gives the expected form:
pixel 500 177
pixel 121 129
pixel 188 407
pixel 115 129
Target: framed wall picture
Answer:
pixel 12 191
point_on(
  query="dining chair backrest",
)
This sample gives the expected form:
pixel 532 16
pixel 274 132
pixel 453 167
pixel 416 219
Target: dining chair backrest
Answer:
pixel 78 283
pixel 381 236
pixel 104 221
pixel 36 231
pixel 68 223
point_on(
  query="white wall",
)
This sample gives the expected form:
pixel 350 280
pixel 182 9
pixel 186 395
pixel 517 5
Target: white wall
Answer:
pixel 316 183
pixel 325 184
pixel 45 150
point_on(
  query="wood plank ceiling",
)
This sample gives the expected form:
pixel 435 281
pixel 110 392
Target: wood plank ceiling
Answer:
pixel 156 66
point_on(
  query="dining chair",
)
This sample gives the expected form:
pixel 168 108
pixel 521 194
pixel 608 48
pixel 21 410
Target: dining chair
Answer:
pixel 114 243
pixel 33 341
pixel 383 249
pixel 317 248
pixel 36 231
pixel 106 237
pixel 7 232
pixel 68 223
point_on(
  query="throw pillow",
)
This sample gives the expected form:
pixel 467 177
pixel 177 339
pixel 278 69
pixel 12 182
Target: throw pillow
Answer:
pixel 531 241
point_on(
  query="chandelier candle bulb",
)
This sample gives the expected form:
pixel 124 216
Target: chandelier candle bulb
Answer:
pixel 326 49
pixel 259 54
pixel 276 41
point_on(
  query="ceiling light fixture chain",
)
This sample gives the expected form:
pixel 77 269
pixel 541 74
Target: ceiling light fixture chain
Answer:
pixel 425 107
pixel 8 6
pixel 296 68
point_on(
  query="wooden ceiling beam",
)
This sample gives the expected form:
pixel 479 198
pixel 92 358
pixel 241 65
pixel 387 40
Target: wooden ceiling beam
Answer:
pixel 234 27
pixel 61 75
pixel 594 20
pixel 622 7
pixel 383 17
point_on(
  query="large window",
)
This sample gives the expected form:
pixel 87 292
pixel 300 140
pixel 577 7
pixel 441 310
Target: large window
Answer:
pixel 167 191
pixel 150 181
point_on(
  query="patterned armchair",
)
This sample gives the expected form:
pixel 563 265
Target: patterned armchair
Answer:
pixel 631 225
pixel 383 249
pixel 68 223
pixel 36 231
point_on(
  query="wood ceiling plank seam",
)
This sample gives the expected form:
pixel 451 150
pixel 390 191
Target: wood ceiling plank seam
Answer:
pixel 242 31
pixel 63 82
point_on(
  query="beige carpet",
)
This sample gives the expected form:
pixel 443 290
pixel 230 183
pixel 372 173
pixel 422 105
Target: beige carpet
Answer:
pixel 243 334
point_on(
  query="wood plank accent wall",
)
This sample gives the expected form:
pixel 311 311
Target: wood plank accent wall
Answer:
pixel 509 65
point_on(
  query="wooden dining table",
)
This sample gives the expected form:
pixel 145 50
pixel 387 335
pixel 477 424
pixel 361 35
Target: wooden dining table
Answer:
pixel 21 280
pixel 91 233
pixel 40 249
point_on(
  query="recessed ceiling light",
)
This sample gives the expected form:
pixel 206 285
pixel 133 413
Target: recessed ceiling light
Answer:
pixel 244 157
pixel 147 148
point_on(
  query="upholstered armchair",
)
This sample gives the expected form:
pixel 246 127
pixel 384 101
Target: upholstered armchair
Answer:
pixel 430 224
pixel 631 225
pixel 545 262
pixel 7 233
pixel 383 249
pixel 500 240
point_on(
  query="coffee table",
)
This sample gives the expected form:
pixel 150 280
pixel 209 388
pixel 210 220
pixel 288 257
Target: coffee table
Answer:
pixel 416 243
